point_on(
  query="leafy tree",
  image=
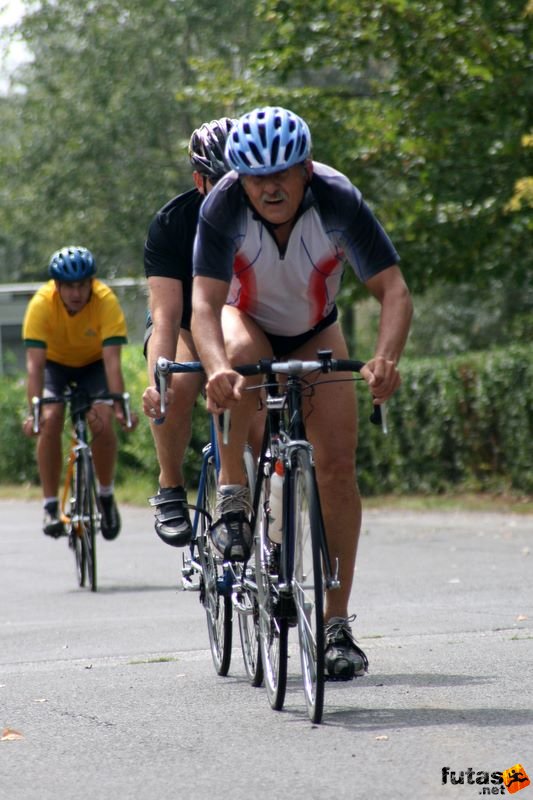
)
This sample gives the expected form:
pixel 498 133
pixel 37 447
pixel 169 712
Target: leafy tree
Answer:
pixel 429 107
pixel 104 135
pixel 425 105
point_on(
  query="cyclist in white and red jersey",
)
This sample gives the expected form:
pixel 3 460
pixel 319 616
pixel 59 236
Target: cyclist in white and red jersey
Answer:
pixel 272 241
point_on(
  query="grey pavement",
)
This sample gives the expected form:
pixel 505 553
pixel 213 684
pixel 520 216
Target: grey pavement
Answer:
pixel 114 694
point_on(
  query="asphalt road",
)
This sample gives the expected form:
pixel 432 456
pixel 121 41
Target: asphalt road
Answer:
pixel 115 697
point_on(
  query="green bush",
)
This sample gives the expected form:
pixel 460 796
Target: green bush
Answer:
pixel 456 424
pixel 463 423
pixel 137 451
pixel 17 455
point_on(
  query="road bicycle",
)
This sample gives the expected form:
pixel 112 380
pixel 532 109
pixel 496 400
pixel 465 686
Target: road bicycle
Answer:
pixel 219 582
pixel 293 573
pixel 79 504
pixel 283 584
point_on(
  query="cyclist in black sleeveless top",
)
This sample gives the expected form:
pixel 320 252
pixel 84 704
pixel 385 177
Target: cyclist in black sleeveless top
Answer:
pixel 168 268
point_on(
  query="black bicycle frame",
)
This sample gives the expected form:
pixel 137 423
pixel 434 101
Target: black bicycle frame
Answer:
pixel 290 402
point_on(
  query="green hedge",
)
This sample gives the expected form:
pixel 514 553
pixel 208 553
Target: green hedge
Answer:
pixel 137 452
pixel 17 459
pixel 456 424
pixel 463 423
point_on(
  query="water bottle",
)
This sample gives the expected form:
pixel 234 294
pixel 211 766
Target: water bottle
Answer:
pixel 275 519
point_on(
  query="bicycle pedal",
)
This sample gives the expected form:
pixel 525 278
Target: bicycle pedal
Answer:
pixel 189 584
pixel 239 604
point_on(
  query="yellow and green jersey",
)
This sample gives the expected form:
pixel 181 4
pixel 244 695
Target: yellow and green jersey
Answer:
pixel 77 340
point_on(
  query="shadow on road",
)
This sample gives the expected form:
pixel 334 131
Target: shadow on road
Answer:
pixel 369 719
pixel 136 588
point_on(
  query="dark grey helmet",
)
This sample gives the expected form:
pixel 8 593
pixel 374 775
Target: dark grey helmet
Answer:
pixel 206 148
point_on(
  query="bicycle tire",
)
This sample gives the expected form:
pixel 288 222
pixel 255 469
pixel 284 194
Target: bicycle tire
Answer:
pixel 88 511
pixel 308 588
pixel 215 593
pixel 76 540
pixel 273 628
pixel 249 635
pixel 248 611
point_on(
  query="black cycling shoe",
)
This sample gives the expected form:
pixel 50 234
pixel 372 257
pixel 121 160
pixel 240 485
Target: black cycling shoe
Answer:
pixel 52 525
pixel 110 522
pixel 344 659
pixel 172 522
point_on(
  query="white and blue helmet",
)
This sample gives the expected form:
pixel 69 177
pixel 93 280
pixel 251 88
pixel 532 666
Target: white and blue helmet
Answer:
pixel 267 140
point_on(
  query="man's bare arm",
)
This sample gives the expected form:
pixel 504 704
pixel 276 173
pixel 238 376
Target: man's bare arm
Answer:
pixel 35 361
pixel 381 372
pixel 223 384
pixel 166 308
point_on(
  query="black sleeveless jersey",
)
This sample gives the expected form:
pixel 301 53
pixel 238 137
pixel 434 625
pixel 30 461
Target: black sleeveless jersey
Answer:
pixel 169 245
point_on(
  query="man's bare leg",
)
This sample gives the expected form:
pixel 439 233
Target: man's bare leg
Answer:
pixel 173 436
pixel 104 443
pixel 331 423
pixel 245 344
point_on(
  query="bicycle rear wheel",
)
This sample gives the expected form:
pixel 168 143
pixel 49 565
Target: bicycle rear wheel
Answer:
pixel 307 581
pixel 216 584
pixel 248 609
pixel 273 628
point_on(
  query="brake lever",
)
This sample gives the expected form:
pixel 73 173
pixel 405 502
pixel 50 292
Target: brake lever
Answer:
pixel 379 417
pixel 224 425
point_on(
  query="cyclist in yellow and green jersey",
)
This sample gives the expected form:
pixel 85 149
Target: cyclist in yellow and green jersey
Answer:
pixel 73 331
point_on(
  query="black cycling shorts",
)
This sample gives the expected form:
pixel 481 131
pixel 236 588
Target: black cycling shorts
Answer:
pixel 186 326
pixel 147 331
pixel 57 377
pixel 283 346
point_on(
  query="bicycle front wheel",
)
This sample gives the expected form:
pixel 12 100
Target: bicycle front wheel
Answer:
pixel 249 633
pixel 273 626
pixel 248 609
pixel 216 585
pixel 88 514
pixel 308 582
pixel 75 530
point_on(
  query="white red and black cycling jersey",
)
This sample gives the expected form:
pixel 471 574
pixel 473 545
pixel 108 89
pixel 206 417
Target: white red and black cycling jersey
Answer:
pixel 289 293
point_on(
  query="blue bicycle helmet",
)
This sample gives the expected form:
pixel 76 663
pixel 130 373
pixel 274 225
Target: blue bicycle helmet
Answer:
pixel 72 264
pixel 267 140
pixel 206 147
